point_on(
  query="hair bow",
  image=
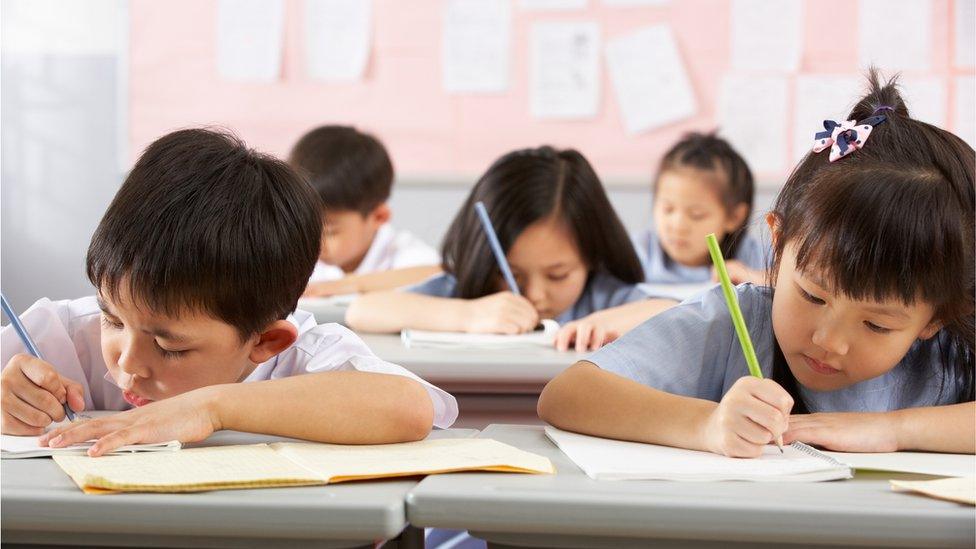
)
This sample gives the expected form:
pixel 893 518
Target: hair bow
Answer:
pixel 845 137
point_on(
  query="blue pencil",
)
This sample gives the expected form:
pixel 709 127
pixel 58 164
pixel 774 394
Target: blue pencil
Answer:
pixel 29 343
pixel 496 247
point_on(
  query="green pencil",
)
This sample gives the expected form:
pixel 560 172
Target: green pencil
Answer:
pixel 741 330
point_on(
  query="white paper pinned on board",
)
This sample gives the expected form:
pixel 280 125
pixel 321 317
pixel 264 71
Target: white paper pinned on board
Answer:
pixel 895 34
pixel 338 35
pixel 767 36
pixel 926 98
pixel 964 124
pixel 753 115
pixel 476 46
pixel 820 98
pixel 249 39
pixel 564 69
pixel 965 16
pixel 649 79
pixel 552 5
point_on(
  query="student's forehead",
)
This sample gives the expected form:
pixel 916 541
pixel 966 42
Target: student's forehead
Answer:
pixel 136 310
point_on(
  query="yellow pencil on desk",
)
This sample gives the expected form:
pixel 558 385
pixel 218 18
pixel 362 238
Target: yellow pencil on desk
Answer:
pixel 737 320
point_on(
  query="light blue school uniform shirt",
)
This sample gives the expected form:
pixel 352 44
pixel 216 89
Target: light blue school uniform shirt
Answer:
pixel 660 269
pixel 602 291
pixel 692 350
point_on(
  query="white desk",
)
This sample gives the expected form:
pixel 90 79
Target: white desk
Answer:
pixel 496 386
pixel 571 510
pixel 41 505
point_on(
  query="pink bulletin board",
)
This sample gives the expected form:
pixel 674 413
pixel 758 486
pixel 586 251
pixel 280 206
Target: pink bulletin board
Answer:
pixel 434 136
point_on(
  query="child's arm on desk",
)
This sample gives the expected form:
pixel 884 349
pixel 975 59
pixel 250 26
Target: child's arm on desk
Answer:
pixel 930 429
pixel 503 313
pixel 341 407
pixel 372 282
pixel 596 330
pixel 589 400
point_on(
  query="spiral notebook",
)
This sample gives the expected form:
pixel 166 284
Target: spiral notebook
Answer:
pixel 605 459
pixel 545 337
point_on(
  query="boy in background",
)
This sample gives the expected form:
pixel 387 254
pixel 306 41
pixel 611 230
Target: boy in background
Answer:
pixel 360 250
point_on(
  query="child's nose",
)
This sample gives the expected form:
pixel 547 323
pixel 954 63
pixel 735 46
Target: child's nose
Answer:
pixel 132 363
pixel 830 338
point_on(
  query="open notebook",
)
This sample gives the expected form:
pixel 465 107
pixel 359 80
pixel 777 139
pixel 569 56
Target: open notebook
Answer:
pixel 605 459
pixel 292 464
pixel 924 463
pixel 452 340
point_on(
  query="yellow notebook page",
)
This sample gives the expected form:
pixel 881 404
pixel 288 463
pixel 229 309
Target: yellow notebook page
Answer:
pixel 193 470
pixel 960 490
pixel 340 463
pixel 292 464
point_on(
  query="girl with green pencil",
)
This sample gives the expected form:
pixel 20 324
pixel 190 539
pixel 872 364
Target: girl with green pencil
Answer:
pixel 865 334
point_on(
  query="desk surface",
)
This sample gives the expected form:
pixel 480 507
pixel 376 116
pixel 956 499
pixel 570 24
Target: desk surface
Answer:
pixel 524 370
pixel 42 505
pixel 570 509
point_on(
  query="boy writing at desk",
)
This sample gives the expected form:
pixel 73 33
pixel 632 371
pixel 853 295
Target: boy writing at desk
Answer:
pixel 361 251
pixel 198 264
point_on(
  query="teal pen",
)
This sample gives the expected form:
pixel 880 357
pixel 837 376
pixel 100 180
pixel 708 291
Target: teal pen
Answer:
pixel 29 344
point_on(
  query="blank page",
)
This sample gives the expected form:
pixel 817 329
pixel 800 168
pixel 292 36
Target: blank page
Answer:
pixel 453 340
pixel 340 462
pixel 605 459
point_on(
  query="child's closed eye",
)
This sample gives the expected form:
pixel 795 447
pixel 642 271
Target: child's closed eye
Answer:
pixel 109 323
pixel 877 329
pixel 810 297
pixel 170 353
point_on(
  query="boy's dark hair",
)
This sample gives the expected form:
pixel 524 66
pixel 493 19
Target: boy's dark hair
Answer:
pixel 202 223
pixel 892 220
pixel 710 153
pixel 349 169
pixel 526 186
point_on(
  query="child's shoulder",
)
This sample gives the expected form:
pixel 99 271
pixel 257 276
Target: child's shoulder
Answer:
pixel 439 285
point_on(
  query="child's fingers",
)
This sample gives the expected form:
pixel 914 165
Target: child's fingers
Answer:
pixel 43 401
pixel 44 376
pixel 75 395
pixel 598 339
pixel 14 426
pixel 753 432
pixel 583 332
pixel 117 439
pixel 78 431
pixel 770 419
pixel 565 336
pixel 772 393
pixel 742 448
pixel 28 414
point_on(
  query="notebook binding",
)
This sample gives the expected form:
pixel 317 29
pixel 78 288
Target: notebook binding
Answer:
pixel 813 452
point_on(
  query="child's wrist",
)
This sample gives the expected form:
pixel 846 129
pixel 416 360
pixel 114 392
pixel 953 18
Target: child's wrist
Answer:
pixel 213 400
pixel 897 421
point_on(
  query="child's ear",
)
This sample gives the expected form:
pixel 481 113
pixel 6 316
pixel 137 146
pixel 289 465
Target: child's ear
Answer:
pixel 380 214
pixel 773 221
pixel 277 337
pixel 737 217
pixel 930 330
